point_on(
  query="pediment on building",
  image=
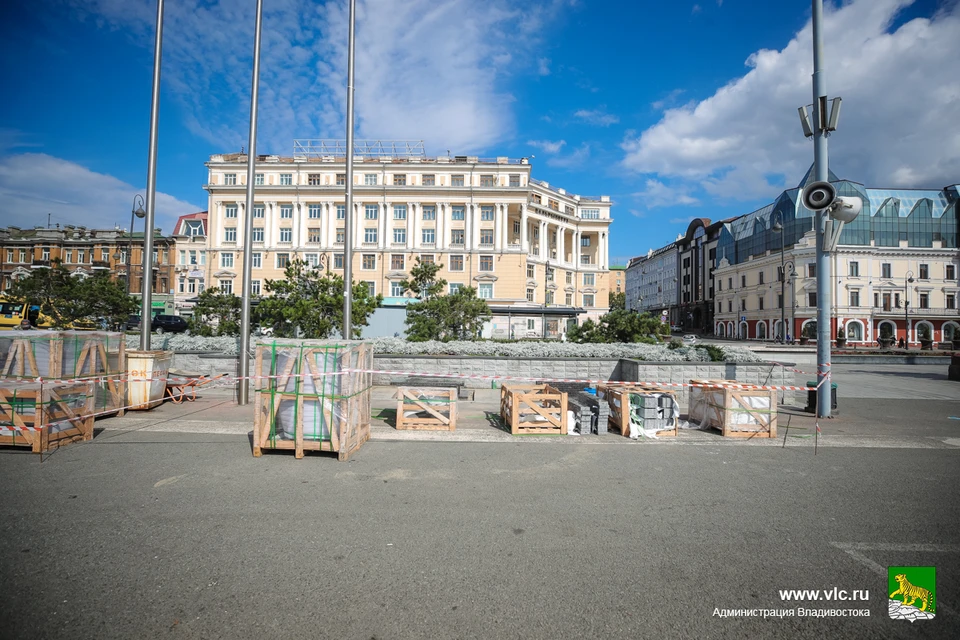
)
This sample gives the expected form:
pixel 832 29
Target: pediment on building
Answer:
pixel 570 289
pixel 588 290
pixel 396 275
pixel 485 277
pixel 224 274
pixel 531 282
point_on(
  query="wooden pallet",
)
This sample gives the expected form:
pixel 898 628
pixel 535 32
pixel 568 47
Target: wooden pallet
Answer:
pixel 615 395
pixel 737 413
pixel 536 409
pixel 46 416
pixel 427 408
pixel 303 388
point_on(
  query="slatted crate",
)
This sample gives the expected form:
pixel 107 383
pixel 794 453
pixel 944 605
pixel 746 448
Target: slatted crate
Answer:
pixel 618 398
pixel 737 413
pixel 46 416
pixel 310 397
pixel 537 409
pixel 427 408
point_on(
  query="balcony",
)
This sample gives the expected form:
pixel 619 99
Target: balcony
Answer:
pixel 100 265
pixel 898 312
pixel 40 264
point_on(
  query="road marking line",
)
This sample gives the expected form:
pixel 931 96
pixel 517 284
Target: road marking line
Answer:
pixel 169 480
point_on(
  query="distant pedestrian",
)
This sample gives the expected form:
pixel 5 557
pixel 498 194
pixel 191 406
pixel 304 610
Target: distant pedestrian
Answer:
pixel 902 344
pixel 789 339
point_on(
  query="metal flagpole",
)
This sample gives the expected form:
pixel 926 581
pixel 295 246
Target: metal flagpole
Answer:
pixel 821 170
pixel 243 389
pixel 146 288
pixel 348 223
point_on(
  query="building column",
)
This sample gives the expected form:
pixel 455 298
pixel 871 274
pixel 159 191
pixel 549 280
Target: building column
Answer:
pixel 442 210
pixel 523 228
pixel 576 249
pixel 330 222
pixel 382 226
pixel 358 228
pixel 561 242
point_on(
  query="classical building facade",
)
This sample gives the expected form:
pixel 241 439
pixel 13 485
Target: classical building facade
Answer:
pixel 536 253
pixel 894 272
pixel 86 251
pixel 190 238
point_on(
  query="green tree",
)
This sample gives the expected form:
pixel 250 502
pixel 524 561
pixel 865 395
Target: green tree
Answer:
pixel 68 300
pixel 216 314
pixel 617 301
pixel 619 325
pixel 423 282
pixel 458 316
pixel 309 303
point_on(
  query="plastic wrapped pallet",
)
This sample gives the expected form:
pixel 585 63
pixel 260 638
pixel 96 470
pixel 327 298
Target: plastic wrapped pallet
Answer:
pixel 735 411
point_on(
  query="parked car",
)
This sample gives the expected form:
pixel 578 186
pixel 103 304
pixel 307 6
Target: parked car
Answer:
pixel 168 324
pixel 690 339
pixel 675 328
pixel 133 322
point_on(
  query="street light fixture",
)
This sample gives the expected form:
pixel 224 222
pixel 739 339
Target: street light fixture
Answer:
pixel 907 278
pixel 135 210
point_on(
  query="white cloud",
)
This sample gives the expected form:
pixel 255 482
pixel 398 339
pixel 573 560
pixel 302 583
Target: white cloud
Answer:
pixel 657 194
pixel 668 100
pixel 597 117
pixel 898 126
pixel 696 9
pixel 543 66
pixel 572 160
pixel 424 70
pixel 549 146
pixel 35 184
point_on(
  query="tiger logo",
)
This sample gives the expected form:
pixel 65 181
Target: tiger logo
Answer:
pixel 911 593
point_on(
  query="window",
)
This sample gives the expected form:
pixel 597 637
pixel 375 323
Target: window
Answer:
pixel 230 234
pixel 104 255
pixel 950 272
pixel 256 260
pixel 226 286
pixel 183 257
pixel 397 262
pixel 885 270
pixel 340 235
pixel 569 277
pixel 537 199
pixel 761 277
pixel 487 180
pixel 516 227
pixel 761 303
pixel 341 211
pixel 811 298
pixel 729 306
pixel 779 300
pixel 283 259
pixel 486 213
pixel 313 179
pixel 486 263
pixel 588 299
pixel 554 204
pixel 399 179
pixel 68 256
pixel 312 259
pixel 584 259
pixel 590 214
pixel 399 212
pixel 400 236
pixel 230 179
pixel 430 213
pixel 531 295
pixel 854 269
pixel 854 298
pixel 589 279
pixel 371 211
pixel 255 287
pixel 743 305
pixel 924 272
pixel 812 270
pixel 456 180
pixel 286 235
pixel 429 180
pixel 313 211
pixel 531 271
pixel 9 255
pixel 456 263
pixel 568 299
pixel 455 286
pixel 341 179
pixel 370 179
pixel 427 258
pixel 743 281
pixel 368 261
pixel 257 234
pixel 338 261
pixel 258 179
pixel 286 179
pixel 429 236
pixel 585 241
pixel 371 287
pixel 192 286
pixel 456 213
pixel 370 236
pixel 720 284
pixel 486 237
pixel 729 283
pixel 485 291
pixel 951 301
pixel 230 211
pixel 924 300
pixel 396 289
pixel 514 180
pixel 456 237
pixel 313 234
pixel 258 211
pixel 226 260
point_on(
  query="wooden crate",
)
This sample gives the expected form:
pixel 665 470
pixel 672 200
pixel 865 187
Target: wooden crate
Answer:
pixel 737 413
pixel 31 354
pixel 427 408
pixel 46 416
pixel 307 400
pixel 533 409
pixel 615 395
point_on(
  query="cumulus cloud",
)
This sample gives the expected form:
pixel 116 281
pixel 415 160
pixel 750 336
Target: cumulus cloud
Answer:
pixel 549 146
pixel 543 66
pixel 898 125
pixel 35 184
pixel 424 70
pixel 658 194
pixel 598 117
pixel 572 160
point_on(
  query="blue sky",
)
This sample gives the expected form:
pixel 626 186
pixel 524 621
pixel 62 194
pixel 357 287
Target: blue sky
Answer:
pixel 675 109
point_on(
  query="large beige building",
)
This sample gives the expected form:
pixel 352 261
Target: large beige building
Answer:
pixel 535 253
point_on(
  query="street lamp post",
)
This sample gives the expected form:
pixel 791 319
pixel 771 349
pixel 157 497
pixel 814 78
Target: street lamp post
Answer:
pixel 907 278
pixel 778 227
pixel 135 210
pixel 793 297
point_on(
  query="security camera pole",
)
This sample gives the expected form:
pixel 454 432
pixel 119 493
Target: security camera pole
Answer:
pixel 821 171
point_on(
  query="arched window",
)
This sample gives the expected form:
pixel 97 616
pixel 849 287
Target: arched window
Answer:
pixel 720 330
pixel 951 331
pixel 886 329
pixel 762 330
pixel 855 331
pixel 744 331
pixel 924 330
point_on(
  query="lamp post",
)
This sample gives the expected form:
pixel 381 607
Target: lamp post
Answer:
pixel 793 297
pixel 778 227
pixel 907 278
pixel 135 210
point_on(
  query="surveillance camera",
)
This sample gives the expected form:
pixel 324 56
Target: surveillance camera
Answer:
pixel 819 196
pixel 846 209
